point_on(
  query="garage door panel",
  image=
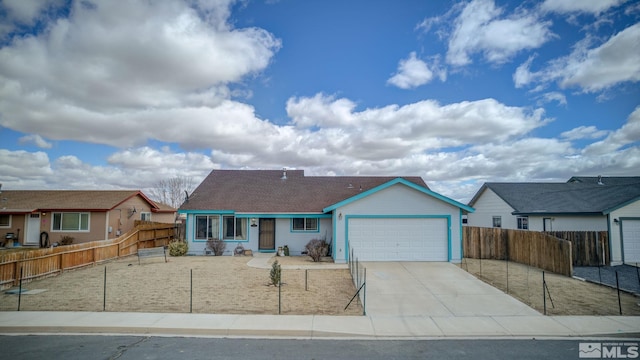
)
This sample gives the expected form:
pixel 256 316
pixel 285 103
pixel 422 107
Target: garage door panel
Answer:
pixel 399 239
pixel 631 240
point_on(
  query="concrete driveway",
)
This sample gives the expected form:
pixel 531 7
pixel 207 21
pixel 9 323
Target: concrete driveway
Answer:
pixel 434 289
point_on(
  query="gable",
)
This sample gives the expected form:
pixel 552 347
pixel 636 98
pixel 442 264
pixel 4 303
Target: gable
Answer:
pixel 396 184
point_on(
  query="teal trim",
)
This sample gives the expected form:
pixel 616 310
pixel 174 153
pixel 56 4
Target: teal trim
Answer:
pixel 334 225
pixel 447 217
pixel 394 182
pixel 283 216
pixel 461 240
pixel 209 212
pixel 291 230
pixel 622 220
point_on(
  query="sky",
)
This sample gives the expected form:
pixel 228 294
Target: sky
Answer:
pixel 122 94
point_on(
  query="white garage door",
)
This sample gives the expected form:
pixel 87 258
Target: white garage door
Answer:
pixel 399 239
pixel 631 240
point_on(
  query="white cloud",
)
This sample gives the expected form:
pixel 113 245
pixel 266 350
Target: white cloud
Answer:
pixel 584 132
pixel 481 28
pixel 413 72
pixel 552 96
pixel 628 134
pixel 17 13
pixel 570 6
pixel 103 75
pixel 36 140
pixel 595 69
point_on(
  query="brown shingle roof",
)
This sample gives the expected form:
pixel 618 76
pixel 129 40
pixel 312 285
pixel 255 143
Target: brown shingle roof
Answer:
pixel 265 191
pixel 96 200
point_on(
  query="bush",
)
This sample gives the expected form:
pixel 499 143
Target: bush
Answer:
pixel 178 248
pixel 275 275
pixel 217 246
pixel 66 240
pixel 317 248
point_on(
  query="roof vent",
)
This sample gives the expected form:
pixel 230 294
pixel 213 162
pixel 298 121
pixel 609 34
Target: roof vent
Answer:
pixel 350 186
pixel 284 174
pixel 600 180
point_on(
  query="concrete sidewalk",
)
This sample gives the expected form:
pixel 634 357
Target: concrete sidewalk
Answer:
pixel 317 326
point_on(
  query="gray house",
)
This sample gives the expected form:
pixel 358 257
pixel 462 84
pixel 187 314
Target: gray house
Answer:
pixel 609 204
pixel 380 218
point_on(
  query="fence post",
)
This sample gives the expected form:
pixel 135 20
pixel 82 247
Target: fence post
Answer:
pixel 191 292
pixel 364 296
pixel 544 295
pixel 280 295
pixel 20 290
pixel 306 280
pixel 618 288
pixel 104 290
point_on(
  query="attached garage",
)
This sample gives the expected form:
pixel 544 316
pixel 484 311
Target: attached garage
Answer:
pixel 399 238
pixel 631 240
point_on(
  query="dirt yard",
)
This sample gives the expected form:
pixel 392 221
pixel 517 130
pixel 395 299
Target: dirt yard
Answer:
pixel 221 285
pixel 566 296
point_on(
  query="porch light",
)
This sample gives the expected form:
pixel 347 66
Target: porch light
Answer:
pixel 340 216
pixel 616 221
pixel 253 222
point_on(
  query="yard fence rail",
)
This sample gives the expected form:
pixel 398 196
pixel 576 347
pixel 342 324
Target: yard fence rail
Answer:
pixel 526 247
pixel 359 277
pixel 35 264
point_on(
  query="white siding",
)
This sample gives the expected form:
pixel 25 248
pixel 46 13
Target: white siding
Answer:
pixel 630 211
pixel 489 205
pixel 398 199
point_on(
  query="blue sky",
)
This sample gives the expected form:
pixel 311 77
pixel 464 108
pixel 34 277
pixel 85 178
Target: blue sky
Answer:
pixel 109 95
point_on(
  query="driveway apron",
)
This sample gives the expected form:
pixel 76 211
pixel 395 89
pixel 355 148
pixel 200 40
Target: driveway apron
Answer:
pixel 434 289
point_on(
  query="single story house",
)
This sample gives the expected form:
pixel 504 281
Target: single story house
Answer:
pixel 380 218
pixel 85 215
pixel 582 203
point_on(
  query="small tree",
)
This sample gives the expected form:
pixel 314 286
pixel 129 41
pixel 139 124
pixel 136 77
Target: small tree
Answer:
pixel 275 275
pixel 217 246
pixel 317 248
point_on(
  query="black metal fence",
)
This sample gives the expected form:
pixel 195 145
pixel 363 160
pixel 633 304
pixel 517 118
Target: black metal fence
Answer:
pixel 554 294
pixel 359 277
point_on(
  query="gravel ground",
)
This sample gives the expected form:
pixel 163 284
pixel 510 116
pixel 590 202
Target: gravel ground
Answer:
pixel 627 276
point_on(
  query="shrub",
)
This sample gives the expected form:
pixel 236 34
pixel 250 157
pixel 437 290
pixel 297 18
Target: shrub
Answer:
pixel 217 246
pixel 66 240
pixel 178 248
pixel 317 248
pixel 275 275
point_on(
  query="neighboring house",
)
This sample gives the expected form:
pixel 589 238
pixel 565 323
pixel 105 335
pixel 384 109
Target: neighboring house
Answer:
pixel 609 204
pixel 381 218
pixel 82 214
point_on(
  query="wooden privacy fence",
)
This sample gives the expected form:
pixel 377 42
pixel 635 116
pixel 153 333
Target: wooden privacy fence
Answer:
pixel 527 247
pixel 589 248
pixel 40 263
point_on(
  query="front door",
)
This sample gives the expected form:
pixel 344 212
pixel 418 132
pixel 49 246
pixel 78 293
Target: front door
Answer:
pixel 32 237
pixel 546 224
pixel 267 239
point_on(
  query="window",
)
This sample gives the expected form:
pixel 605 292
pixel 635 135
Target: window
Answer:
pixel 207 227
pixel 5 221
pixel 70 222
pixel 304 224
pixel 145 216
pixel 234 228
pixel 523 222
pixel 497 221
